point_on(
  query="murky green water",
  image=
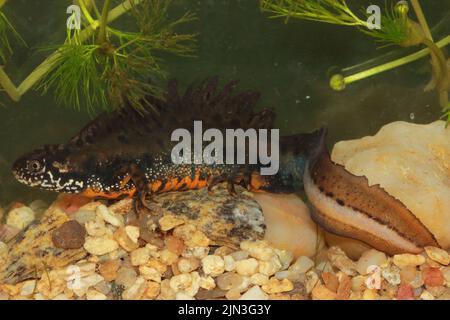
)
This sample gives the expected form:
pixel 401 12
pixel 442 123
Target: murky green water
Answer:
pixel 288 63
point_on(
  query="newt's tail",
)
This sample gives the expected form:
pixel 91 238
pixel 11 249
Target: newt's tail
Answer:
pixel 295 151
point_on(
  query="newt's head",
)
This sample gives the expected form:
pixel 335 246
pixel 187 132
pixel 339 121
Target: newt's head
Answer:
pixel 48 168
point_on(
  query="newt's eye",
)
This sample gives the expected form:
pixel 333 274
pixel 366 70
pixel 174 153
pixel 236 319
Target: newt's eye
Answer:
pixel 34 166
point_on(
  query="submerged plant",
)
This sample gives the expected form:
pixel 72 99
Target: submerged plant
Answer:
pixel 7 31
pixel 114 68
pixel 74 76
pixel 104 67
pixel 329 11
pixel 397 28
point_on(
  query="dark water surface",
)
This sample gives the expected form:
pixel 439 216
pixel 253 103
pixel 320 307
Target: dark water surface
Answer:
pixel 289 63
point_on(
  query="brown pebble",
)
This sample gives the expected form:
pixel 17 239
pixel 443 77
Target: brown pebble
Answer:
pixel 432 277
pixel 408 274
pixel 331 281
pixel 8 232
pixel 437 292
pixel 229 280
pixel 175 269
pixel 405 292
pixel 223 251
pixel 204 294
pixel 175 245
pixel 70 235
pixel 279 296
pixel 298 296
pixel 344 288
pixel 109 269
pixel 16 205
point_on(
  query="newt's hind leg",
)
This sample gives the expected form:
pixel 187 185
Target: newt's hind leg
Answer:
pixel 140 182
pixel 230 187
pixel 214 181
pixel 231 182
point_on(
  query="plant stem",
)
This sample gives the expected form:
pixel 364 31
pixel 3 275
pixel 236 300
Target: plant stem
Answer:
pixel 393 64
pixel 442 62
pixel 439 68
pixel 104 23
pixel 97 12
pixel 86 12
pixel 422 20
pixel 8 86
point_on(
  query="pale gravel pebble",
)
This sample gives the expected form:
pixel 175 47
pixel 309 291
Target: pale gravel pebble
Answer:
pixel 113 219
pixel 140 256
pixel 133 233
pixel 95 295
pixel 239 255
pixel 100 246
pixel 229 280
pixel 96 227
pixel 126 277
pixel 254 293
pixel 3 250
pixel 247 267
pixel 425 295
pixel 260 249
pixel 285 257
pixel 213 265
pixel 84 216
pixel 183 296
pixel 186 265
pixel 207 283
pixel 259 279
pixel 370 258
pixel 406 259
pixel 230 263
pixel 439 255
pixel 28 288
pixel 301 265
pixel 20 217
pixel 135 291
pixel 270 267
pixel 150 273
pixel 285 274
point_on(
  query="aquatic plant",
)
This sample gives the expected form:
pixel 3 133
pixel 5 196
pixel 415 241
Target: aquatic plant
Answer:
pixel 329 11
pixel 396 28
pixel 7 31
pixel 99 66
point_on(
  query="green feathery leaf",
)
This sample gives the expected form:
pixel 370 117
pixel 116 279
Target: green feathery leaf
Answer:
pixel 119 72
pixel 7 32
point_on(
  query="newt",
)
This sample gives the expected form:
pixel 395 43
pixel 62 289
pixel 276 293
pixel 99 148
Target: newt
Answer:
pixel 127 153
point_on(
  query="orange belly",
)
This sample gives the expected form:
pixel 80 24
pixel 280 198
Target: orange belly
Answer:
pixel 91 193
pixel 256 183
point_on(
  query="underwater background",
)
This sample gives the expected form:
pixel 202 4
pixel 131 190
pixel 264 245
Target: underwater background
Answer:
pixel 290 64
